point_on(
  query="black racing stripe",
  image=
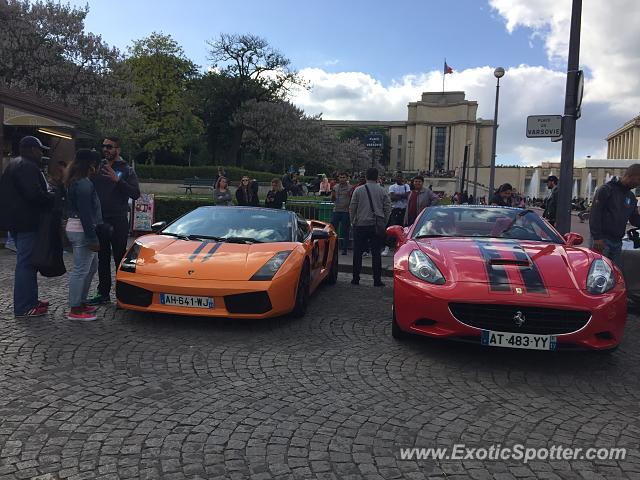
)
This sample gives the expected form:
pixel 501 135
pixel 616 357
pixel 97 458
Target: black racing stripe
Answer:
pixel 210 253
pixel 530 275
pixel 197 251
pixel 498 278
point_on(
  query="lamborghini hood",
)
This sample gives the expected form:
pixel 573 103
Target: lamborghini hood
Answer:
pixel 502 264
pixel 165 256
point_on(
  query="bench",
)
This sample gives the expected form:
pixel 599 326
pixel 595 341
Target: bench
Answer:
pixel 190 183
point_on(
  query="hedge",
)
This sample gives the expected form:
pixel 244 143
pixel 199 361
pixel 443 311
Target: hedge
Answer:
pixel 176 172
pixel 168 209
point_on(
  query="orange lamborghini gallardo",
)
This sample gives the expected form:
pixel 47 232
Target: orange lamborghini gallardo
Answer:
pixel 237 262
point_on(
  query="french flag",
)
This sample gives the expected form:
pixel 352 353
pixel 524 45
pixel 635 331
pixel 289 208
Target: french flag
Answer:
pixel 447 68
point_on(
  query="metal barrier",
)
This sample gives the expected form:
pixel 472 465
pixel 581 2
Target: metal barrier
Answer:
pixel 315 210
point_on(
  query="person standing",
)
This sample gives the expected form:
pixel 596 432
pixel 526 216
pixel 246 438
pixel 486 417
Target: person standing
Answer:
pixel 341 197
pixel 368 202
pixel 24 196
pixel 277 196
pixel 613 207
pixel 221 194
pixel 502 197
pixel 419 199
pixel 399 194
pixel 115 183
pixel 85 214
pixel 245 195
pixel 551 202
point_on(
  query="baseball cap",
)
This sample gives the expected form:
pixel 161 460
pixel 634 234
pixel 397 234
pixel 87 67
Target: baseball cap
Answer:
pixel 30 141
pixel 552 178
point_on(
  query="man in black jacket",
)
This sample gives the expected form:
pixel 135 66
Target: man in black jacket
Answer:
pixel 115 184
pixel 613 207
pixel 25 196
pixel 551 203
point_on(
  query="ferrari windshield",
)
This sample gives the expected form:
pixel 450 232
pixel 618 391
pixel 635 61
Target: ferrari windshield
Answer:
pixel 234 224
pixel 480 221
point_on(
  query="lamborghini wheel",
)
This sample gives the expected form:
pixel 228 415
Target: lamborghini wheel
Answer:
pixel 302 293
pixel 332 278
pixel 396 332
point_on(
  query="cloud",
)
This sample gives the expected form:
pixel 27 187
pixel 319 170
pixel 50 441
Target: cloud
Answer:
pixel 331 63
pixel 609 54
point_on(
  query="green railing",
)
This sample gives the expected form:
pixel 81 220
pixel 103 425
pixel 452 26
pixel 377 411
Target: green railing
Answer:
pixel 310 209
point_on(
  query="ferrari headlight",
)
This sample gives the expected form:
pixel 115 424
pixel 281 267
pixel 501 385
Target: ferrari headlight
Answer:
pixel 600 278
pixel 423 267
pixel 269 269
pixel 129 261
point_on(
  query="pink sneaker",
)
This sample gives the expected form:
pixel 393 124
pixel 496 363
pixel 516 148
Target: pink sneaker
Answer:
pixel 38 311
pixel 81 315
pixel 89 309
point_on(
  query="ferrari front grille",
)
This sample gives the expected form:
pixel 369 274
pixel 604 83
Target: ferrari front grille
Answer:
pixel 517 319
pixel 132 295
pixel 253 302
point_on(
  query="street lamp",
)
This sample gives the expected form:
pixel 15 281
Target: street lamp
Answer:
pixel 410 159
pixel 498 73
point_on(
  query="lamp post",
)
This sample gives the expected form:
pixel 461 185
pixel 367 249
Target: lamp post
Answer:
pixel 498 73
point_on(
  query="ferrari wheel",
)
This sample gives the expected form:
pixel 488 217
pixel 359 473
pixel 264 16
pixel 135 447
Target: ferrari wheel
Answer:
pixel 302 293
pixel 332 278
pixel 396 332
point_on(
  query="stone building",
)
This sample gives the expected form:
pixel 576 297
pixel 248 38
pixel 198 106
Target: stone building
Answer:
pixel 625 141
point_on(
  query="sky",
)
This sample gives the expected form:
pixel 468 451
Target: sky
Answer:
pixel 365 60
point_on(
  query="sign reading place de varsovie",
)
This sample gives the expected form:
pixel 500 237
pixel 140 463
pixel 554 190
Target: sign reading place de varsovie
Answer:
pixel 541 126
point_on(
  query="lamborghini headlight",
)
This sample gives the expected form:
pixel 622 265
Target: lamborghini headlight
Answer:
pixel 269 269
pixel 601 278
pixel 129 261
pixel 421 266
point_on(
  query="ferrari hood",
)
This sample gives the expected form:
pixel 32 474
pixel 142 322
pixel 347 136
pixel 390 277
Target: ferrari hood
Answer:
pixel 165 256
pixel 502 264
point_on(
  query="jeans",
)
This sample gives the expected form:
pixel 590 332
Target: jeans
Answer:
pixel 342 218
pixel 612 250
pixel 363 236
pixel 85 266
pixel 25 284
pixel 116 245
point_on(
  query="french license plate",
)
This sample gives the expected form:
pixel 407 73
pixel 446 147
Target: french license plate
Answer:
pixel 518 340
pixel 186 301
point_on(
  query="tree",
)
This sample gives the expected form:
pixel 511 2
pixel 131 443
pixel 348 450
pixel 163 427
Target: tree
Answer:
pixel 44 49
pixel 161 77
pixel 247 68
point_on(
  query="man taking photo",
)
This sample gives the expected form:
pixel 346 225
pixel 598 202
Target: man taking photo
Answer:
pixel 115 184
pixel 613 207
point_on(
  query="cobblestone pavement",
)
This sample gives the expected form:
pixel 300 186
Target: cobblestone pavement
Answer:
pixel 328 396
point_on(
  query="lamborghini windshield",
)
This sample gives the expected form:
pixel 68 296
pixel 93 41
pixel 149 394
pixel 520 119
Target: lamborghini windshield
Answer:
pixel 234 225
pixel 484 222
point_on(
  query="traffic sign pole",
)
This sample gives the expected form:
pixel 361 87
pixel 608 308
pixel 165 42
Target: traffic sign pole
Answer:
pixel 563 218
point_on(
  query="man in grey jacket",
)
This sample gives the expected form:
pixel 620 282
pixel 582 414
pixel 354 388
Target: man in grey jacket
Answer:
pixel 419 199
pixel 363 219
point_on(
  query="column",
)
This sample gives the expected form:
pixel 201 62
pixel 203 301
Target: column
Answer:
pixel 421 153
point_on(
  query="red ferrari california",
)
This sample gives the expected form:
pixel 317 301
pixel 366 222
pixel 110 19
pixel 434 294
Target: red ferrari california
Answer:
pixel 503 277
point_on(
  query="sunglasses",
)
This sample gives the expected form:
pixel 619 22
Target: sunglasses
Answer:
pixel 245 180
pixel 108 147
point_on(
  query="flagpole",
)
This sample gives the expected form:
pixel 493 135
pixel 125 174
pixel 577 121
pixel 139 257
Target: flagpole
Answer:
pixel 444 74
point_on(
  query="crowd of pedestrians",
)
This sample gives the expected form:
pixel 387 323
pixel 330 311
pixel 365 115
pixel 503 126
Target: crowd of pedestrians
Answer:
pixel 88 199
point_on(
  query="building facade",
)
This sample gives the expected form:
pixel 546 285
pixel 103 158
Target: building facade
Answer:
pixel 624 142
pixel 438 130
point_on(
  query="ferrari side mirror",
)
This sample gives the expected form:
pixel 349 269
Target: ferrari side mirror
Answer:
pixel 397 232
pixel 573 239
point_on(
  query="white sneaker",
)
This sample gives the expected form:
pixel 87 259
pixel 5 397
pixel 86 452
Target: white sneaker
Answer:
pixel 10 246
pixel 385 252
pixel 366 254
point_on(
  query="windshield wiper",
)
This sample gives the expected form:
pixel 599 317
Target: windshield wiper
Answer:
pixel 204 237
pixel 177 235
pixel 240 240
pixel 433 235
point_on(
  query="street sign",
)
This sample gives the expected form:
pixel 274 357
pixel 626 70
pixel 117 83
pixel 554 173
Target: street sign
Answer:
pixel 541 126
pixel 374 140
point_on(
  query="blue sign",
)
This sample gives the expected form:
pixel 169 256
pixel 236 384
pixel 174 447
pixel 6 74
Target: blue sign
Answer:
pixel 374 140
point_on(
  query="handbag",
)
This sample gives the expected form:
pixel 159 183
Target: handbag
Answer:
pixel 379 221
pixel 47 249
